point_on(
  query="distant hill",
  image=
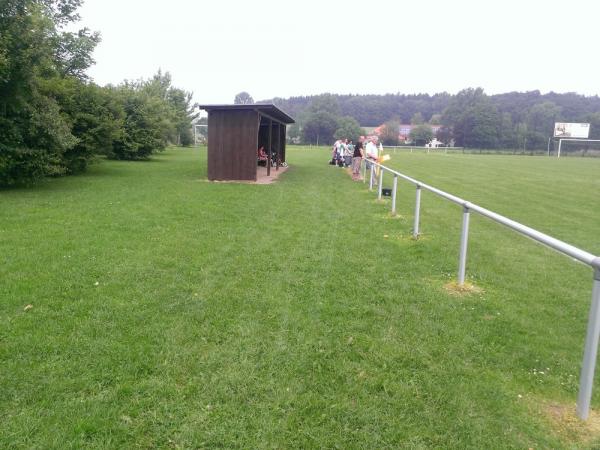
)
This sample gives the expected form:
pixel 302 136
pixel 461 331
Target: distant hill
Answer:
pixel 374 110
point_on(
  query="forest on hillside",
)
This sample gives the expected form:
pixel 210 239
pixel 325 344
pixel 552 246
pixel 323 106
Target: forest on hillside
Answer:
pixel 471 118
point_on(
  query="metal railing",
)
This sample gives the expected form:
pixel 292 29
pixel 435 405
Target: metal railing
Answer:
pixel 593 329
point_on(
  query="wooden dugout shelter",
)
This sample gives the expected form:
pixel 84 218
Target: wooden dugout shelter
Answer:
pixel 236 132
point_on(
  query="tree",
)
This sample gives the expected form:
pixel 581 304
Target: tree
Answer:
pixel 178 111
pixel 180 102
pixel 421 134
pixel 521 135
pixel 374 110
pixel 444 134
pixel 34 132
pixel 325 102
pixel 74 52
pixel 417 119
pixel 94 115
pixel 53 121
pixel 474 119
pixel 594 120
pixel 348 128
pixel 454 115
pixel 436 119
pixel 485 124
pixel 319 128
pixel 144 126
pixel 158 86
pixel 321 120
pixel 293 133
pixel 540 122
pixel 243 98
pixel 389 133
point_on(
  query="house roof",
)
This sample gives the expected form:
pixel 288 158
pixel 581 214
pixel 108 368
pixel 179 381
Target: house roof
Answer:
pixel 266 109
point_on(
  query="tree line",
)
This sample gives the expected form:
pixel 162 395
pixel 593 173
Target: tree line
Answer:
pixel 471 118
pixel 53 119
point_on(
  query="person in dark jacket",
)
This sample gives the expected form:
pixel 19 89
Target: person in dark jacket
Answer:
pixel 357 157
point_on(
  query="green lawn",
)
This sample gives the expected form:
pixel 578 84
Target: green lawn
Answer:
pixel 175 313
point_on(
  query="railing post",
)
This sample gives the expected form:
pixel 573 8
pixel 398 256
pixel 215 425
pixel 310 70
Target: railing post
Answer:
pixel 590 353
pixel 417 212
pixel 593 329
pixel 464 238
pixel 380 187
pixel 394 188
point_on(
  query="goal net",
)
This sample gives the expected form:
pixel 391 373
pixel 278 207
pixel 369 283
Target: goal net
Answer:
pixel 576 147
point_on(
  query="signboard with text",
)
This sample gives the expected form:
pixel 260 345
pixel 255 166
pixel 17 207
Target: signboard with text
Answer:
pixel 571 130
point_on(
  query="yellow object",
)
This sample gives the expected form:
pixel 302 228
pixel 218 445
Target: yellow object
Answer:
pixel 381 159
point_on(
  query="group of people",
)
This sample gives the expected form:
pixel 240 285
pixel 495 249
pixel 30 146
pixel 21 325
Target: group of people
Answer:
pixel 262 158
pixel 345 154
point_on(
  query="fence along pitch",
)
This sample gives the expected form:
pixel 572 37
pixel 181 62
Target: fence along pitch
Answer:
pixel 593 329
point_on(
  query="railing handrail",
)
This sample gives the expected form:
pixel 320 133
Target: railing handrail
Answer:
pixel 590 352
pixel 556 244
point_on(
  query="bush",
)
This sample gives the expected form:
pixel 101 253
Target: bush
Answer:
pixel 143 128
pixel 95 117
pixel 35 139
pixel 22 166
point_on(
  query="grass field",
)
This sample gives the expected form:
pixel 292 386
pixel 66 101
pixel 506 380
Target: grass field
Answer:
pixel 169 312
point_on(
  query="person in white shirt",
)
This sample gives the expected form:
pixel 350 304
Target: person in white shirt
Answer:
pixel 341 152
pixel 372 155
pixel 372 150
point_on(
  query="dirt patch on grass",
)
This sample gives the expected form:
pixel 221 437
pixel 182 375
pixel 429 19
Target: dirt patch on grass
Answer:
pixel 396 217
pixel 348 171
pixel 261 176
pixel 459 290
pixel 569 427
pixel 410 237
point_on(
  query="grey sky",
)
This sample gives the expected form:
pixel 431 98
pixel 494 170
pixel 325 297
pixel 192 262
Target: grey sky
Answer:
pixel 271 48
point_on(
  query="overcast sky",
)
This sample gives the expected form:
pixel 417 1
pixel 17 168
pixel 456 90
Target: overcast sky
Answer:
pixel 270 48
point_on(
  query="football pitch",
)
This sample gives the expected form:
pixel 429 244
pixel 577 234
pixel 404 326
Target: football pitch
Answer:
pixel 143 306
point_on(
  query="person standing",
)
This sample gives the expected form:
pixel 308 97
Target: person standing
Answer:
pixel 372 150
pixel 334 153
pixel 372 155
pixel 349 153
pixel 342 149
pixel 357 156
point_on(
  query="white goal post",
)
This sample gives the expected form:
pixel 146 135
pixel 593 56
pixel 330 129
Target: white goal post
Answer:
pixel 560 141
pixel 196 126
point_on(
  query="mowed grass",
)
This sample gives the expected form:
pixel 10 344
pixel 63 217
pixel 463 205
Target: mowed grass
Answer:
pixel 169 312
